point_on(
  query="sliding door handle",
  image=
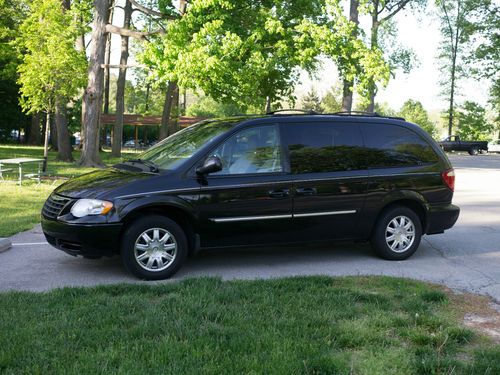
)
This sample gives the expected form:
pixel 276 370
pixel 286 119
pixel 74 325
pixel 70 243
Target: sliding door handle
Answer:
pixel 306 191
pixel 279 193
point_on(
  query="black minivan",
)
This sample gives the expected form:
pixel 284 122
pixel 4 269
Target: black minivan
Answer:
pixel 259 180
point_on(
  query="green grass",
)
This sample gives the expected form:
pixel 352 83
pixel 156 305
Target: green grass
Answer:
pixel 54 167
pixel 20 205
pixel 314 325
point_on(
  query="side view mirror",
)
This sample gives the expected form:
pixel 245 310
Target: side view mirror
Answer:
pixel 212 164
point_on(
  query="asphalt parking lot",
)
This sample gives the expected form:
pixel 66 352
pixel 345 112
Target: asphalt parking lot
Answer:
pixel 466 257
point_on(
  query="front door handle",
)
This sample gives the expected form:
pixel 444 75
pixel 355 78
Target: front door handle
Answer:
pixel 306 191
pixel 279 193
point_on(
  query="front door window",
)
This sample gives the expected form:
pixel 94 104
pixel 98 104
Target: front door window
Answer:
pixel 252 150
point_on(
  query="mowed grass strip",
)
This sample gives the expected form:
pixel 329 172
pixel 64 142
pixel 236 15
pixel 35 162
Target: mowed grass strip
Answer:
pixel 20 206
pixel 55 168
pixel 307 325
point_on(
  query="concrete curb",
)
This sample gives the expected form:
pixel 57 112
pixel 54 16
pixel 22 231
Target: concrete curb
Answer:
pixel 5 244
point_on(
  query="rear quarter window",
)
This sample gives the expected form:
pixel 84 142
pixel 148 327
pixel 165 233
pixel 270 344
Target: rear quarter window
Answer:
pixel 396 146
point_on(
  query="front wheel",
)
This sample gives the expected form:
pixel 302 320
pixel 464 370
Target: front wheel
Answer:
pixel 397 233
pixel 153 247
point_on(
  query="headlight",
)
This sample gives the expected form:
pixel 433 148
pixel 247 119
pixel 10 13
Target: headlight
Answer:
pixel 84 207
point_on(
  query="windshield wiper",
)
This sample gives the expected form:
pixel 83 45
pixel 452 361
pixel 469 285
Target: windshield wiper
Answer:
pixel 152 166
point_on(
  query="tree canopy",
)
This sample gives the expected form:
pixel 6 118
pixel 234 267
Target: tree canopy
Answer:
pixel 51 67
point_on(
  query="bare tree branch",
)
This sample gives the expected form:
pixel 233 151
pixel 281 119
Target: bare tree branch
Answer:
pixel 150 11
pixel 401 5
pixel 121 66
pixel 130 33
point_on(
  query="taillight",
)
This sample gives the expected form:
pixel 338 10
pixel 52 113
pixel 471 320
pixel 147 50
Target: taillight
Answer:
pixel 449 178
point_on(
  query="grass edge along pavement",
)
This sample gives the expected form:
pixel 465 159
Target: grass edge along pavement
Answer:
pixel 303 325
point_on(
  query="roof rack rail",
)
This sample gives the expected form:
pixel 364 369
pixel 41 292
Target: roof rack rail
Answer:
pixel 303 111
pixel 364 113
pixel 359 113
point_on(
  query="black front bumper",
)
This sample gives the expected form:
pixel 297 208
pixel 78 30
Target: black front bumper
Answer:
pixel 83 239
pixel 441 217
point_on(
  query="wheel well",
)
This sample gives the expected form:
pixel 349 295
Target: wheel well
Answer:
pixel 414 205
pixel 176 214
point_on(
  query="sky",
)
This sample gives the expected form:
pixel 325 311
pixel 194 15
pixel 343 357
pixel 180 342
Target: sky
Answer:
pixel 421 33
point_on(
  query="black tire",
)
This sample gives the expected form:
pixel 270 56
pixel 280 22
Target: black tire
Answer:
pixel 134 232
pixel 379 242
pixel 473 151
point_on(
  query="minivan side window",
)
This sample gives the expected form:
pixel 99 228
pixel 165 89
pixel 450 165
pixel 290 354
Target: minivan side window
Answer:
pixel 396 146
pixel 252 150
pixel 321 147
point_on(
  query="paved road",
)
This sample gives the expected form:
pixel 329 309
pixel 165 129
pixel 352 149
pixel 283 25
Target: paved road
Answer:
pixel 464 258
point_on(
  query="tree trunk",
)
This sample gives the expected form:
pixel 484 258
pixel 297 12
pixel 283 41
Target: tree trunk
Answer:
pixel 116 149
pixel 167 109
pixel 92 97
pixel 173 121
pixel 80 46
pixel 35 135
pixel 107 76
pixel 268 104
pixel 63 139
pixel 46 143
pixel 372 88
pixel 452 99
pixel 348 84
pixel 53 136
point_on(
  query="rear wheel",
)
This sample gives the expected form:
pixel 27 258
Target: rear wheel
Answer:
pixel 154 247
pixel 473 151
pixel 397 233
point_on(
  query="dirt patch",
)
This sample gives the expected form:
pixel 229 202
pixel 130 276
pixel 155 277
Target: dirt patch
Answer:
pixel 479 313
pixel 489 325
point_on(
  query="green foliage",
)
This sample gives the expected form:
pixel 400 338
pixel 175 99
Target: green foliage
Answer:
pixel 242 51
pixel 397 55
pixel 236 51
pixel 414 111
pixel 332 101
pixel 51 68
pixel 208 107
pixel 12 13
pixel 311 101
pixel 384 109
pixel 461 24
pixel 472 122
pixel 343 42
pixel 485 56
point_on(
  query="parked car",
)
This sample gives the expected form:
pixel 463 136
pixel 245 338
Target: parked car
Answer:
pixel 259 180
pixel 494 146
pixel 454 143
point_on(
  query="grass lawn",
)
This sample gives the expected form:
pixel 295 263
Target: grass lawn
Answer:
pixel 309 325
pixel 20 205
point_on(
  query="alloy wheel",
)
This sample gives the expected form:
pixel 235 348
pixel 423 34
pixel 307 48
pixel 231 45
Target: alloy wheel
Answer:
pixel 155 249
pixel 400 234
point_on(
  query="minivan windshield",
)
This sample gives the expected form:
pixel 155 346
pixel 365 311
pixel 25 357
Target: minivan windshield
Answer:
pixel 179 147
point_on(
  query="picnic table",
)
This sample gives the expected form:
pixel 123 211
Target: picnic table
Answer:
pixel 19 162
